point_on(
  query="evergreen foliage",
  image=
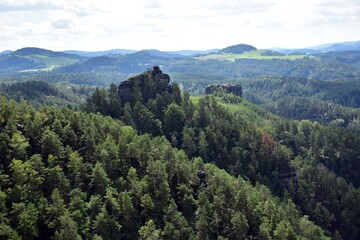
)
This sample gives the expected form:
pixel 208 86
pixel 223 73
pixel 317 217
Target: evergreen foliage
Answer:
pixel 150 190
pixel 167 166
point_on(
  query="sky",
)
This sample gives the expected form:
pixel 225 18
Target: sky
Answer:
pixel 93 25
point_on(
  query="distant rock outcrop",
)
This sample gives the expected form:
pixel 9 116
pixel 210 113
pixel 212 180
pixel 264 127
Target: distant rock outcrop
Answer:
pixel 149 83
pixel 238 49
pixel 235 89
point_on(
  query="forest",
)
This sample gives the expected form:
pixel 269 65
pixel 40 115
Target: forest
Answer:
pixel 166 165
pixel 281 162
pixel 321 87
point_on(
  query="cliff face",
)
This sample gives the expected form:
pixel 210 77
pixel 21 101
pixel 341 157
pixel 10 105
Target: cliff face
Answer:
pixel 235 89
pixel 149 83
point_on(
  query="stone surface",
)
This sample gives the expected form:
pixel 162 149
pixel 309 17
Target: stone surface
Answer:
pixel 154 75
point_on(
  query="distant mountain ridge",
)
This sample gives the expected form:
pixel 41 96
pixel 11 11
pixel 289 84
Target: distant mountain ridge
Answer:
pixel 189 53
pixel 35 59
pixel 184 53
pixel 5 52
pixel 346 46
pixel 337 46
pixel 158 53
pixel 100 53
pixel 128 61
pixel 40 51
pixel 10 63
pixel 88 54
pixel 324 48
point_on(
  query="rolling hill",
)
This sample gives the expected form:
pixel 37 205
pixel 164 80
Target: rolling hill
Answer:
pixel 245 51
pixel 13 63
pixel 5 52
pixel 240 60
pixel 237 49
pixel 100 53
pixel 36 59
pixel 184 53
pixel 330 47
pixel 129 63
pixel 41 93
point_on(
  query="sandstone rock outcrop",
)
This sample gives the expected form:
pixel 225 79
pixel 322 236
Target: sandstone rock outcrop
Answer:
pixel 149 83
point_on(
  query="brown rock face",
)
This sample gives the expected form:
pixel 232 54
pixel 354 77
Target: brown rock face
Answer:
pixel 145 81
pixel 235 89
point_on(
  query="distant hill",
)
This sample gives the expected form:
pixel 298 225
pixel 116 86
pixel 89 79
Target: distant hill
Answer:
pixel 185 53
pixel 99 64
pixel 124 61
pixel 29 51
pixel 40 93
pixel 35 59
pixel 179 53
pixel 10 63
pixel 5 52
pixel 189 53
pixel 330 47
pixel 100 53
pixel 345 46
pixel 157 53
pixel 296 50
pixel 237 49
pixel 129 63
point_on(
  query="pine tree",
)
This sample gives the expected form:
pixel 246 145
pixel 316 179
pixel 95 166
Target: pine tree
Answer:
pixel 68 229
pixel 99 179
pixel 149 231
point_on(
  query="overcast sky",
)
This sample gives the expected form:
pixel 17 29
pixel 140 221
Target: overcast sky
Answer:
pixel 174 25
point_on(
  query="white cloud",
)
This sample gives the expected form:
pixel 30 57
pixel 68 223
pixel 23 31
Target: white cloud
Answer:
pixel 238 7
pixel 62 23
pixel 27 5
pixel 201 24
pixel 153 4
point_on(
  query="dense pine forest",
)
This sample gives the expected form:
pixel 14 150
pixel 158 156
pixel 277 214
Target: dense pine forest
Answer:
pixel 70 175
pixel 165 165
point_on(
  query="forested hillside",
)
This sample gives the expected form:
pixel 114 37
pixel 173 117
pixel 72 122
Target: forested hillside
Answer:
pixel 164 165
pixel 179 120
pixel 41 94
pixel 311 82
pixel 296 160
pixel 71 175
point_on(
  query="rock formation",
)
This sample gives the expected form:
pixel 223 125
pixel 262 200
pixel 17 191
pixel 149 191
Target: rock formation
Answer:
pixel 149 83
pixel 235 89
